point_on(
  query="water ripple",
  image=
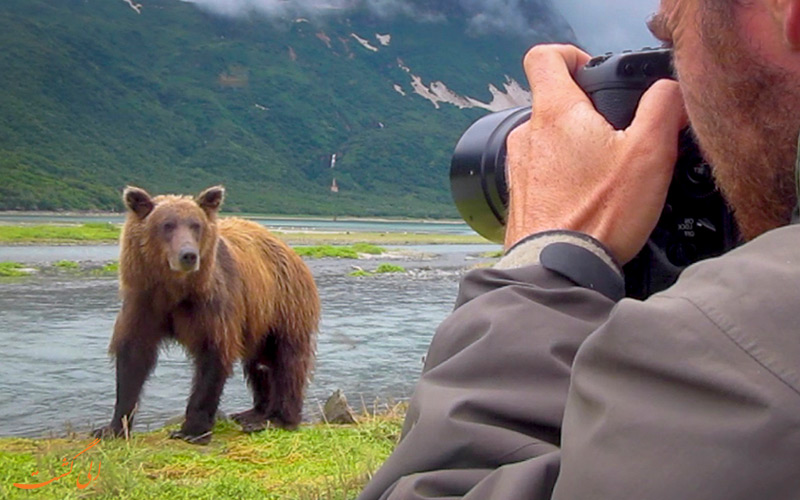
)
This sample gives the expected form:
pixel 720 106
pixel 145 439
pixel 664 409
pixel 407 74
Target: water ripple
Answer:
pixel 54 334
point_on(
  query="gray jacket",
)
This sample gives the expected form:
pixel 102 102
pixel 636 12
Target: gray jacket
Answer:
pixel 537 388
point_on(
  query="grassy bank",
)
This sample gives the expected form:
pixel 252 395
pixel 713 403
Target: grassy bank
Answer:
pixel 56 233
pixel 61 267
pixel 341 252
pixel 318 461
pixel 99 233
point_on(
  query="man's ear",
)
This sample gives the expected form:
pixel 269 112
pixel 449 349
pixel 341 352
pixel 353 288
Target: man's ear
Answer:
pixel 211 199
pixel 791 23
pixel 138 201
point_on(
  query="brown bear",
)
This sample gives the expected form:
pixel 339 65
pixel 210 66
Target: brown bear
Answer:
pixel 224 288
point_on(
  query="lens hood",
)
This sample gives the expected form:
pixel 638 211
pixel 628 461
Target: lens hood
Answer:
pixel 478 174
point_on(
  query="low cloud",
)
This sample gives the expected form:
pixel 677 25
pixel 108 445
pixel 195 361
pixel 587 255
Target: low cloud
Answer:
pixel 309 8
pixel 603 26
pixel 483 16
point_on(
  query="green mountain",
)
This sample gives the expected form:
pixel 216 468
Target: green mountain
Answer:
pixel 173 97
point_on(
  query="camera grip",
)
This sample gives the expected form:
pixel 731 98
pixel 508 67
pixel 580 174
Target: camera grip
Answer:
pixel 618 106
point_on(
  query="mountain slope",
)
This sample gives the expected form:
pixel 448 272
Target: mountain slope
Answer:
pixel 97 94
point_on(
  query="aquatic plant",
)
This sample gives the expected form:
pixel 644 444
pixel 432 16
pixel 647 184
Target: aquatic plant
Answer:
pixel 66 264
pixel 109 268
pixel 368 248
pixel 339 252
pixel 359 273
pixel 11 269
pixel 389 268
pixel 381 269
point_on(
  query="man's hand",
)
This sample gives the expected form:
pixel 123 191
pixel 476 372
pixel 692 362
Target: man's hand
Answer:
pixel 569 169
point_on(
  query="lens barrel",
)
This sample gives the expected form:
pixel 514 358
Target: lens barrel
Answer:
pixel 478 173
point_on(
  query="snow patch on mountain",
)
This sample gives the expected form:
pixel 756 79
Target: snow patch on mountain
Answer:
pixel 364 43
pixel 325 38
pixel 135 6
pixel 384 40
pixel 437 92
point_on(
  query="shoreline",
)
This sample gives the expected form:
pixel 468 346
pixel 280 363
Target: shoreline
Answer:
pixel 77 234
pixel 243 215
pixel 300 239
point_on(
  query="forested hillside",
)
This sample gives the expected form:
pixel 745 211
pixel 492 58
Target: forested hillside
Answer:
pixel 97 94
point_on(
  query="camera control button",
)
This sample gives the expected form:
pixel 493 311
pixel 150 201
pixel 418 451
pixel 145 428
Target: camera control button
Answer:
pixel 700 173
pixel 628 69
pixel 597 61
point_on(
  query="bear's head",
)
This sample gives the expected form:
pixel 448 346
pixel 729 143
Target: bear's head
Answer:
pixel 177 231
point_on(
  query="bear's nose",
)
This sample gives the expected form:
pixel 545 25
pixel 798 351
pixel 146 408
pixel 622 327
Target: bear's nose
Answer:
pixel 188 259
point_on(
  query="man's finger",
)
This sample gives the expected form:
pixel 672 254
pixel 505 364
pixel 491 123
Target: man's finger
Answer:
pixel 550 70
pixel 660 115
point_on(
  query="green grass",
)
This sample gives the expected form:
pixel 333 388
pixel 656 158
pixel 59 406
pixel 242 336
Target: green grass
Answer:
pixel 389 268
pixel 317 461
pixel 67 264
pixel 368 248
pixel 15 269
pixel 330 251
pixel 360 273
pixel 47 233
pixel 11 270
pixel 339 252
pixel 109 268
pixel 381 269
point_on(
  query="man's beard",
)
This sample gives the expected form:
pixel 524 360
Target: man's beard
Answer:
pixel 746 117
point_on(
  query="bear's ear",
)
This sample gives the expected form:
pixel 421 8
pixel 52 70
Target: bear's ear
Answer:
pixel 138 201
pixel 211 199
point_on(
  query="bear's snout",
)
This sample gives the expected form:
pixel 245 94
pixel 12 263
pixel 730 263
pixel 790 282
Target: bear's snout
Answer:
pixel 188 260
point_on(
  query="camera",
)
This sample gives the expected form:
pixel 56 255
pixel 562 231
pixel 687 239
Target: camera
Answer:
pixel 695 223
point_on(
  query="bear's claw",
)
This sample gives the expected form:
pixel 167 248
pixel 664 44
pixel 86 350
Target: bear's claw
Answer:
pixel 203 438
pixel 107 432
pixel 251 420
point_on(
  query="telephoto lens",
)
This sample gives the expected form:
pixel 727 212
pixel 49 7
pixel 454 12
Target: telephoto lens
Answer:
pixel 695 223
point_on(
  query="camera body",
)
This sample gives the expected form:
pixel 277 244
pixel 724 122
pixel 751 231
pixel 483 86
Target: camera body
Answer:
pixel 695 223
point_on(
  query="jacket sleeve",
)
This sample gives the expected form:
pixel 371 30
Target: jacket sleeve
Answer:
pixel 485 417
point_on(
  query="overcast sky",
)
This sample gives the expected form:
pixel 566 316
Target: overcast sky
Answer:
pixel 609 25
pixel 600 25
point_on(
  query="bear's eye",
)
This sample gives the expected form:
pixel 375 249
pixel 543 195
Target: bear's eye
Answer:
pixel 195 227
pixel 169 226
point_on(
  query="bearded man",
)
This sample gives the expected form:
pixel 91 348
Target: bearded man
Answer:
pixel 538 386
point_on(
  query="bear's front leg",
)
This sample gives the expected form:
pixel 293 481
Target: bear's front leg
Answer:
pixel 135 359
pixel 209 380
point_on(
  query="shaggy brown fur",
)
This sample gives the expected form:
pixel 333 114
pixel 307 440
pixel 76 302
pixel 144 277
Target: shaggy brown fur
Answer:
pixel 227 290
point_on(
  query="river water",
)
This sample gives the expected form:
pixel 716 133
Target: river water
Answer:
pixel 55 374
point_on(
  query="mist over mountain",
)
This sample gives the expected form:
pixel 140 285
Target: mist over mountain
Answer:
pixel 260 95
pixel 482 17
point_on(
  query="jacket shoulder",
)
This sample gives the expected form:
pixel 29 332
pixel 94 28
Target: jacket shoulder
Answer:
pixel 752 294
